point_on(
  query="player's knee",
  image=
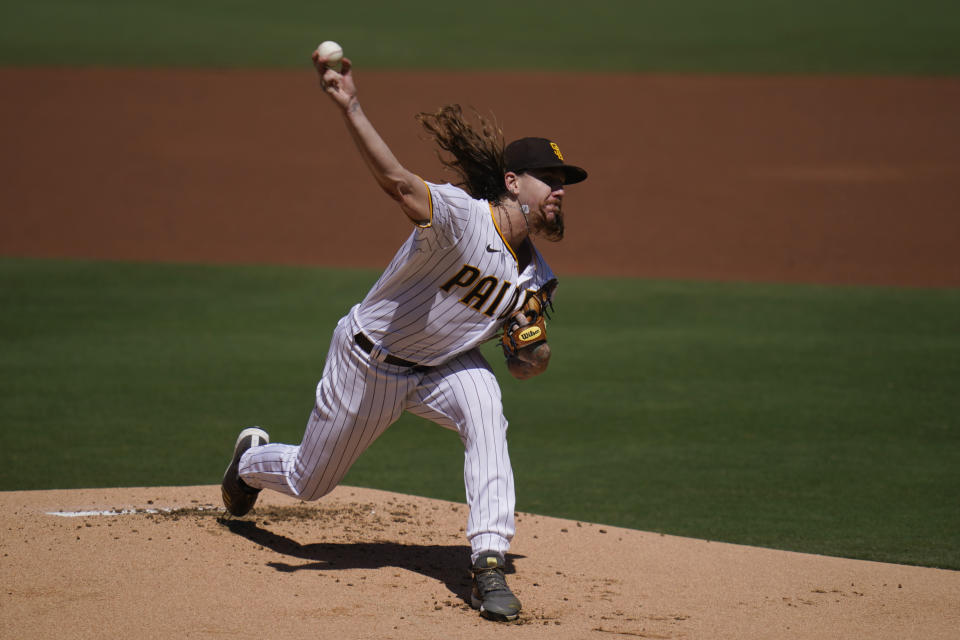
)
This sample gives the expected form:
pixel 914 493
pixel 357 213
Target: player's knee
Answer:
pixel 486 410
pixel 315 487
pixel 485 433
pixel 312 494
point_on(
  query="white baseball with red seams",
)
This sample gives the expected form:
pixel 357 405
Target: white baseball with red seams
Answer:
pixel 447 290
pixel 333 52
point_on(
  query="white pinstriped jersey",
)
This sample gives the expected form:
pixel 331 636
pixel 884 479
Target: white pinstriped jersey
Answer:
pixel 451 285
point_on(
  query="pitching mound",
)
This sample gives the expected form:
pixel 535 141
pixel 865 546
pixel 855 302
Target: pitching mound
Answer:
pixel 166 563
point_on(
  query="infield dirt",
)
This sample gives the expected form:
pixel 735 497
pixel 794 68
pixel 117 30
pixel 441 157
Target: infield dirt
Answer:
pixel 371 564
pixel 782 179
pixel 799 179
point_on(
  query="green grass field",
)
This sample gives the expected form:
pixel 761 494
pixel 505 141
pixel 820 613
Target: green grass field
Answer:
pixel 766 36
pixel 820 419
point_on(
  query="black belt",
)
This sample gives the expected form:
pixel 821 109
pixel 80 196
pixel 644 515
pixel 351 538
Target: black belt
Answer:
pixel 364 343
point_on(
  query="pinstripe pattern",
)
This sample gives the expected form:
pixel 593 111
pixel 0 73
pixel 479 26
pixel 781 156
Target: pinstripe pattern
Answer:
pixel 408 313
pixel 356 400
pixel 443 294
pixel 463 395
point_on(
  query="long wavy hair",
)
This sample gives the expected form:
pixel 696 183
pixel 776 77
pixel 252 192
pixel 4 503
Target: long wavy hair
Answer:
pixel 476 150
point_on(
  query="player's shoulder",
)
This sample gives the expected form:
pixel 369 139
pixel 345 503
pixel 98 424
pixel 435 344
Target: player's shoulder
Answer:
pixel 452 206
pixel 453 214
pixel 452 194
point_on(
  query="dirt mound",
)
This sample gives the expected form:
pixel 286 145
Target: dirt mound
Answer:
pixel 166 562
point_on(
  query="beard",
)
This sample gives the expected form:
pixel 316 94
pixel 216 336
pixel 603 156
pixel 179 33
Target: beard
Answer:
pixel 550 228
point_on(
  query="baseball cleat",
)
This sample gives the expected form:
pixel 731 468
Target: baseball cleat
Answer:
pixel 238 497
pixel 491 595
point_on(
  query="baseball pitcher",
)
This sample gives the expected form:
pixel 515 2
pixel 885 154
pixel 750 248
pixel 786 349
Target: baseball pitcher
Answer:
pixel 468 273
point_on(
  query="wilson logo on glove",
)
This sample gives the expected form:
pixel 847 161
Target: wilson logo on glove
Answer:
pixel 531 334
pixel 527 328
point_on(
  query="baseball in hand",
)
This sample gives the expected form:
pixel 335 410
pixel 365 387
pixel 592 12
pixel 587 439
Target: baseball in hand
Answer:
pixel 332 52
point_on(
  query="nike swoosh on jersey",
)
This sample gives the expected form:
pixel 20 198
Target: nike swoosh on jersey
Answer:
pixel 492 250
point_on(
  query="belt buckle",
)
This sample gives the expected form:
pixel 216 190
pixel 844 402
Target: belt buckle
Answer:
pixel 380 354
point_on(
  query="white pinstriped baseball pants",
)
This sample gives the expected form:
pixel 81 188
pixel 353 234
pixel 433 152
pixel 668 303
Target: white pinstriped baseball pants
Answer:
pixel 358 398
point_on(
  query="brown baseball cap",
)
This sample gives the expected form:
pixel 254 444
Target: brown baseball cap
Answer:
pixel 539 153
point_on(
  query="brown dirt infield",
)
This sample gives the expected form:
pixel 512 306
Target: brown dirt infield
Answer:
pixel 801 179
pixel 787 179
pixel 371 564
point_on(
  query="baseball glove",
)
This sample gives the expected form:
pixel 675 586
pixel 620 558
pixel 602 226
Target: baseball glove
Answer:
pixel 527 328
